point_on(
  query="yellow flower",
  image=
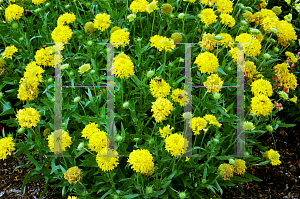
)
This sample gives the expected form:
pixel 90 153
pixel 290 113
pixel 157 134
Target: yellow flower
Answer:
pixel 84 68
pixel 89 28
pixel 191 1
pixel 166 9
pixel 224 6
pixel 38 2
pixel 138 6
pixel 73 175
pixel 162 43
pixel 161 108
pixel 240 166
pixel 180 96
pixel 28 89
pixel 102 21
pixel 208 42
pixel 187 159
pixel 123 66
pixel 165 131
pixel 286 32
pixel 141 160
pixel 97 141
pixel 152 6
pixel 262 86
pixel 227 20
pixel 159 87
pixel 176 144
pixel 207 62
pixel 253 48
pixel 208 2
pixel 249 126
pixel 28 117
pixel 208 16
pixel 90 129
pixel 297 7
pixel 273 156
pixel 261 104
pixel 66 140
pixel 281 71
pixel 66 18
pixel 288 17
pixel 120 36
pixel 131 17
pixel 212 120
pixel 213 83
pixel 250 69
pixel 2 62
pixel 294 99
pixel 44 57
pixel 9 51
pixel 61 34
pixel 72 197
pixel 6 147
pixel 13 11
pixel 197 124
pixel 290 81
pixel 288 2
pixel 226 39
pixel 291 56
pixel 226 171
pixel 107 163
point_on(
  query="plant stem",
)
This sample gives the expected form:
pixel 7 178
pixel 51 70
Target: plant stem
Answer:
pixel 152 24
pixel 82 108
pixel 93 86
pixel 20 161
pixel 195 141
pixel 202 140
pixel 141 23
pixel 184 17
pixel 112 181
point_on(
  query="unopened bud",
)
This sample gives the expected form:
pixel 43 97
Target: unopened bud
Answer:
pixel 181 15
pixel 64 66
pixel 273 30
pixel 231 161
pixel 218 37
pixel 1 95
pixel 21 130
pixel 80 146
pixel 90 43
pixel 269 128
pixel 136 139
pixel 67 6
pixel 149 190
pixel 126 104
pixel 267 56
pixel 15 25
pixel 216 96
pixel 276 49
pixel 181 60
pixel 182 195
pixel 77 99
pixel 150 73
pixel 244 23
pixel 119 138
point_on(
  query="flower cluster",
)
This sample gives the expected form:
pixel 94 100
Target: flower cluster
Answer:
pixel 207 62
pixel 159 87
pixel 28 117
pixel 208 16
pixel 180 96
pixel 141 160
pixel 273 156
pixel 66 141
pixel 162 43
pixel 65 19
pixel 38 2
pixel 9 51
pixel 161 108
pixel 165 131
pixel 213 83
pixel 45 56
pixel 73 175
pixel 13 11
pixel 139 6
pixel 261 104
pixel 120 36
pixel 227 20
pixel 123 66
pixel 152 6
pixel 102 21
pixel 6 147
pixel 176 144
pixel 84 68
pixel 197 124
pixel 107 163
pixel 262 86
pixel 208 41
pixel 226 171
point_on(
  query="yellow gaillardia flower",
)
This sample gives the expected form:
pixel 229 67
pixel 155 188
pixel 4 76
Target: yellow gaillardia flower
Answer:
pixel 213 83
pixel 240 166
pixel 286 32
pixel 273 156
pixel 197 124
pixel 152 6
pixel 138 6
pixel 61 34
pixel 224 6
pixel 97 141
pixel 208 41
pixel 290 81
pixel 191 1
pixel 262 86
pixel 165 131
pixel 166 9
pixel 84 68
pixel 281 71
pixel 249 126
pixel 90 129
pixel 291 56
pixel 227 20
pixel 180 96
pixel 261 104
pixel 177 38
pixel 161 108
pixel 66 19
pixel 253 48
pixel 226 39
pixel 102 21
pixel 28 117
pixel 226 171
pixel 131 17
pixel 162 43
pixel 159 87
pixel 208 2
pixel 141 160
pixel 208 16
pixel 73 175
pixel 66 140
pixel 120 36
pixel 212 120
pixel 294 99
pixel 207 62
pixel 107 163
pixel 72 197
pixel 175 144
pixel 13 11
pixel 250 69
pixel 38 2
pixel 6 147
pixel 123 66
pixel 9 51
pixel 45 56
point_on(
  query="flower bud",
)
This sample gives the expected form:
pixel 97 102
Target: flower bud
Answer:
pixel 21 130
pixel 116 196
pixel 80 36
pixel 150 73
pixel 269 128
pixel 151 141
pixel 89 28
pixel 231 161
pixel 267 56
pixel 276 49
pixel 243 28
pixel 136 139
pixel 249 9
pixel 273 30
pixel 241 6
pixel 273 40
pixel 176 37
pixel 216 96
pixel 131 17
pixel 126 104
pixel 38 10
pixel 216 140
pixel 277 10
pixel 166 9
pixel 283 95
pixel 203 181
pixel 181 15
pixel 218 37
pixel 172 15
pixel 21 39
pixel 47 4
pixel 149 190
pixel 88 4
pixel 53 99
pixel 182 195
pixel 90 43
pixel 254 31
pixel 181 60
pixel 187 115
pixel 114 29
pixel 80 146
pixel 64 66
pixel 119 138
pixel 126 29
pixel 77 99
pixel 244 23
pixel 229 68
pixel 247 153
pixel 67 6
pixel 249 126
pixel 15 25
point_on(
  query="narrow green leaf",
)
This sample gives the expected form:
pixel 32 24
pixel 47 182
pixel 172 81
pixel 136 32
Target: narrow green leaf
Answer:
pixel 132 196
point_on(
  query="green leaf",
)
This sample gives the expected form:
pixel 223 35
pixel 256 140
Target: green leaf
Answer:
pixel 240 179
pixel 223 112
pixel 252 177
pixel 264 163
pixel 26 180
pixel 286 125
pixel 109 191
pixel 221 71
pixel 6 112
pixel 27 147
pixel 223 157
pixel 158 193
pixel 132 196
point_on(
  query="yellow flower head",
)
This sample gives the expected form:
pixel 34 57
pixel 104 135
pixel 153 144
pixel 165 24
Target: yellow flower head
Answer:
pixel 290 81
pixel 162 43
pixel 262 86
pixel 161 108
pixel 61 34
pixel 227 20
pixel 273 156
pixel 6 147
pixel 224 6
pixel 197 124
pixel 213 83
pixel 97 141
pixel 131 17
pixel 90 129
pixel 226 171
pixel 9 51
pixel 152 6
pixel 13 11
pixel 180 96
pixel 102 21
pixel 166 9
pixel 159 87
pixel 165 131
pixel 294 99
pixel 84 68
pixel 73 175
pixel 66 19
pixel 281 71
pixel 208 16
pixel 72 197
pixel 208 42
pixel 226 39
pixel 286 32
pixel 138 6
pixel 208 2
pixel 291 56
pixel 89 28
pixel 250 69
pixel 2 62
pixel 261 104
pixel 66 140
pixel 191 1
pixel 141 160
pixel 107 163
pixel 240 166
pixel 28 89
pixel 123 66
pixel 176 144
pixel 207 62
pixel 253 48
pixel 212 120
pixel 177 38
pixel 38 2
pixel 28 117
pixel 120 36
pixel 44 56
pixel 249 126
